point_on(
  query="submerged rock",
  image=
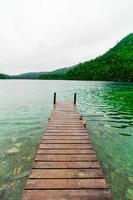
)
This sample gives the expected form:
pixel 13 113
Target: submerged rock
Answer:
pixel 130 179
pixel 18 144
pixel 129 193
pixel 13 150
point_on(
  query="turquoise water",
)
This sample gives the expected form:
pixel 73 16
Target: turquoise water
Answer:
pixel 24 109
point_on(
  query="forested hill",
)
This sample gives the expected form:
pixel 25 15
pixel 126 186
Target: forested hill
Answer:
pixel 115 65
pixel 5 76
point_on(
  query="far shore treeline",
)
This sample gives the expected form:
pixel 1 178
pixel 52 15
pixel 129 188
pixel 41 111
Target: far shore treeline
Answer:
pixel 114 65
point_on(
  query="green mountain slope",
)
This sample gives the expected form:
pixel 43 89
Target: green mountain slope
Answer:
pixel 5 76
pixel 115 65
pixel 42 75
pixel 56 74
pixel 29 75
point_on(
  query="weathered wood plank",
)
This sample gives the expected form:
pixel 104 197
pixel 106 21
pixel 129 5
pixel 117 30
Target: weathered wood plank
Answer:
pixel 66 184
pixel 66 137
pixel 66 173
pixel 66 125
pixel 66 165
pixel 65 133
pixel 65 151
pixel 63 122
pixel 46 141
pixel 66 146
pixel 76 128
pixel 86 194
pixel 65 158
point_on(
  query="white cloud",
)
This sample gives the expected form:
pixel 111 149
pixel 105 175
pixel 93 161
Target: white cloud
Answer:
pixel 41 35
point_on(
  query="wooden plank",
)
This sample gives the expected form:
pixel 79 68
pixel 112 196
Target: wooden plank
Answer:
pixel 66 165
pixel 65 133
pixel 66 184
pixel 65 151
pixel 66 118
pixel 46 141
pixel 66 137
pixel 65 122
pixel 66 158
pixel 86 194
pixel 71 126
pixel 76 128
pixel 65 115
pixel 66 146
pixel 68 130
pixel 66 173
pixel 52 124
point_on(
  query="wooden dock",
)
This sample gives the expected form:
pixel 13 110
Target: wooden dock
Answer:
pixel 65 166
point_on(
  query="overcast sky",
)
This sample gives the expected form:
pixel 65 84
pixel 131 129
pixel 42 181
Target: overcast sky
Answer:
pixel 42 35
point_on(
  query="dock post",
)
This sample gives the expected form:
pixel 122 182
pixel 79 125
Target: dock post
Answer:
pixel 54 98
pixel 74 98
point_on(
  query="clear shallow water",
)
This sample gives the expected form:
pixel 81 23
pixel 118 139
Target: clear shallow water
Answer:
pixel 24 110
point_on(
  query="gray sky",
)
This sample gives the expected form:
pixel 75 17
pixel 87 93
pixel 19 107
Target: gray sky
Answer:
pixel 42 35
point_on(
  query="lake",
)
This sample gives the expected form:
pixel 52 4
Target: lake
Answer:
pixel 25 106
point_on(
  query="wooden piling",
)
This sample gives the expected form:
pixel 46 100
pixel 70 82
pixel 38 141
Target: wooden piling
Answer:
pixel 54 98
pixel 74 98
